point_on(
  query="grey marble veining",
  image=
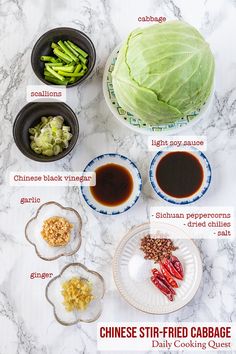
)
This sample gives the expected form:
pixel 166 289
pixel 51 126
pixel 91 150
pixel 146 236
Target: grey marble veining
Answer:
pixel 27 324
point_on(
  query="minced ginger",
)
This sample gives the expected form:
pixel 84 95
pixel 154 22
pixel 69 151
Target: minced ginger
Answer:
pixel 77 293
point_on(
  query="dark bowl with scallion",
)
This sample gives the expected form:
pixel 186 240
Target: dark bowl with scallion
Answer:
pixel 63 56
pixel 46 131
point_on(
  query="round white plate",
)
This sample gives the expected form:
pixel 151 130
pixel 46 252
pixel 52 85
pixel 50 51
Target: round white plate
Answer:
pixel 137 124
pixel 144 296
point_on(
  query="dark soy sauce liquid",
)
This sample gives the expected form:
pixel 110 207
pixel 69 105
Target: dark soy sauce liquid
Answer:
pixel 114 185
pixel 179 174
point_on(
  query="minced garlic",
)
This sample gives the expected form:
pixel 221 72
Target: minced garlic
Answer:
pixel 56 231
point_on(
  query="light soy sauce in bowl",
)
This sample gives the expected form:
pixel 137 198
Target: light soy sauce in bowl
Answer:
pixel 114 185
pixel 179 174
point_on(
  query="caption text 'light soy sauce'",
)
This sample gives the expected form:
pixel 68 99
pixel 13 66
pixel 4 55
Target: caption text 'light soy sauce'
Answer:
pixel 114 185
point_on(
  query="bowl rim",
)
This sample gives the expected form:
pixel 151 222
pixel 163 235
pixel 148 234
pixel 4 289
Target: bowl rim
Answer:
pixel 77 264
pixel 187 200
pixel 80 33
pixel 62 154
pixel 79 236
pixel 204 110
pixel 140 183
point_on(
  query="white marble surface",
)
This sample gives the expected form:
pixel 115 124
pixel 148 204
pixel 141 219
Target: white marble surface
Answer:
pixel 27 324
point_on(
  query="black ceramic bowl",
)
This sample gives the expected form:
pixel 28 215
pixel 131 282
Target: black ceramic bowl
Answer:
pixel 43 47
pixel 30 115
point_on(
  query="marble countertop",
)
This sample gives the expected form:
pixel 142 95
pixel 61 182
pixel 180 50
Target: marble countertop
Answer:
pixel 27 324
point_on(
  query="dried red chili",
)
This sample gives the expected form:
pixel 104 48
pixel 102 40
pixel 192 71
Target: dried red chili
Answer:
pixel 173 266
pixel 168 276
pixel 161 283
pixel 163 288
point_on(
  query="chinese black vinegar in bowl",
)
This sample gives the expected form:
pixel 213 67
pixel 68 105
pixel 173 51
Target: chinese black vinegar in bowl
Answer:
pixel 118 184
pixel 180 177
pixel 114 184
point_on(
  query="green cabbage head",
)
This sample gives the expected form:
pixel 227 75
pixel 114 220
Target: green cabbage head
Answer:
pixel 163 72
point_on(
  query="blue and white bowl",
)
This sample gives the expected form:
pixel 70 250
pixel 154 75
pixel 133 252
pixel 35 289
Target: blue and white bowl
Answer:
pixel 137 184
pixel 187 200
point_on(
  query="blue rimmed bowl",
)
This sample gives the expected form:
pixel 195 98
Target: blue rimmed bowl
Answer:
pixel 186 200
pixel 137 184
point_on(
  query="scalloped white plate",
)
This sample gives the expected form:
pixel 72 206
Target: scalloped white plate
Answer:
pixel 144 296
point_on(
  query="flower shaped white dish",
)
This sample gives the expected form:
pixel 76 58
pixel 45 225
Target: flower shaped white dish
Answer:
pixel 186 200
pixel 137 184
pixel 34 227
pixel 55 297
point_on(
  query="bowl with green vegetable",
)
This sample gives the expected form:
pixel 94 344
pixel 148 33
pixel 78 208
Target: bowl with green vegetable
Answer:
pixel 63 56
pixel 160 79
pixel 46 131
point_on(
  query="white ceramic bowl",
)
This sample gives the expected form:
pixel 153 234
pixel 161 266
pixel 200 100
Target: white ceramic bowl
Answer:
pixel 137 181
pixel 198 194
pixel 137 124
